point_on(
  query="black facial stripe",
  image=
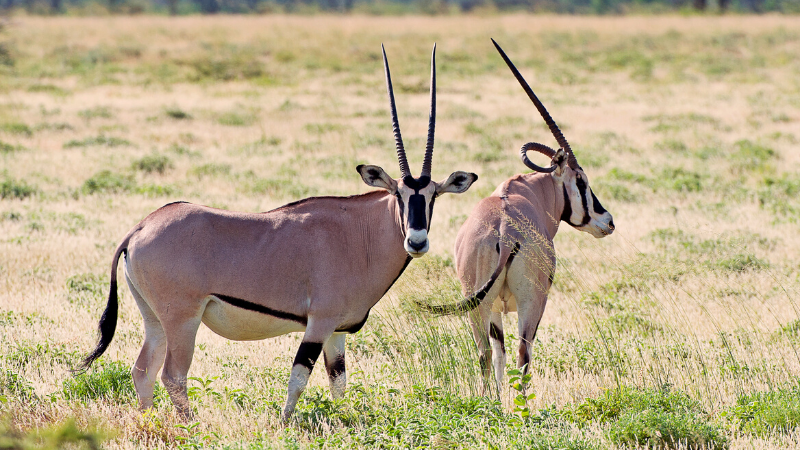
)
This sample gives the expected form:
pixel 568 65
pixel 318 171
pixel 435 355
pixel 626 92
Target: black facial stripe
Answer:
pixel 430 212
pixel 416 212
pixel 497 334
pixel 567 213
pixel 335 367
pixel 307 354
pixel 402 206
pixel 584 200
pixel 261 309
pixel 598 208
pixel 416 183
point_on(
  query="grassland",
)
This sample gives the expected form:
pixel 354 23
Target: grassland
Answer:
pixel 680 330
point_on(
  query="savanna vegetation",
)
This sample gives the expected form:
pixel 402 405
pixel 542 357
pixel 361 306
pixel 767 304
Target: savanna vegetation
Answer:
pixel 681 330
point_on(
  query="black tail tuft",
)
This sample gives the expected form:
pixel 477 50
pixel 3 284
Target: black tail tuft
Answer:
pixel 475 299
pixel 107 326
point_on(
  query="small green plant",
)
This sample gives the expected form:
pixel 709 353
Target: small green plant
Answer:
pixel 519 382
pixel 107 181
pixel 153 163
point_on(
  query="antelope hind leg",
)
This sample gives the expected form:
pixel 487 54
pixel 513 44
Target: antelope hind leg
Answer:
pixel 151 357
pixel 180 350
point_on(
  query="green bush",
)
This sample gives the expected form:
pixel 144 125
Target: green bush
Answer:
pixel 107 181
pixel 153 163
pixel 106 381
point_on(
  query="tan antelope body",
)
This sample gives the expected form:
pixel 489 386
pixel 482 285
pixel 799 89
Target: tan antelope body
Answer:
pixel 316 265
pixel 504 251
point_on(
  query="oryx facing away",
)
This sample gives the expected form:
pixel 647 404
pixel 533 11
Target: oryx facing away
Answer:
pixel 317 265
pixel 504 251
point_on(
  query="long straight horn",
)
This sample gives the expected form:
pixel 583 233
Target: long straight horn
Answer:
pixel 562 141
pixel 398 139
pixel 426 164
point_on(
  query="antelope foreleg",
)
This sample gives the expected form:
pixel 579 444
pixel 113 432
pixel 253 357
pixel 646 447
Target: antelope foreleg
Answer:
pixel 335 364
pixel 307 355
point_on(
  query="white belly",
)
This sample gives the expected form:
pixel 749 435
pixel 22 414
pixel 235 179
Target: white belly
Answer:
pixel 239 324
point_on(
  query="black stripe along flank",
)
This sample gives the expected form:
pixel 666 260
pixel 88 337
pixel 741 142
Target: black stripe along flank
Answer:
pixel 244 304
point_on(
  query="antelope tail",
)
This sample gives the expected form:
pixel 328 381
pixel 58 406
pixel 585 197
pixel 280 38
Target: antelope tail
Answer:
pixel 108 322
pixel 506 257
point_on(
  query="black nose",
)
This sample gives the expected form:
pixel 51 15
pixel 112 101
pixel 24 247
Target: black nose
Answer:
pixel 416 245
pixel 611 224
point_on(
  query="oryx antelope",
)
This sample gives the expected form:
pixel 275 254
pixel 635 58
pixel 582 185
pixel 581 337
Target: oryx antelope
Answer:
pixel 504 251
pixel 316 265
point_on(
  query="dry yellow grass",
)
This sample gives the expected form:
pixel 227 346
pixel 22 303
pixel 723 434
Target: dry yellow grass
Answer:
pixel 283 107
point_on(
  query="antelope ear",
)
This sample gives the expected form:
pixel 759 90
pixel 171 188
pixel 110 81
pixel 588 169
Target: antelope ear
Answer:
pixel 560 161
pixel 375 176
pixel 456 183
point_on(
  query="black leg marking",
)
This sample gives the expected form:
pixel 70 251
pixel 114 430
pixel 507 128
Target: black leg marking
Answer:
pixel 335 367
pixel 307 354
pixel 497 334
pixel 261 309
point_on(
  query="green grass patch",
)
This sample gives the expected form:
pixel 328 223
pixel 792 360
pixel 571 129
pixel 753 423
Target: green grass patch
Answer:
pixel 16 386
pixel 153 163
pixel 765 413
pixel 48 89
pixel 210 170
pixel 108 141
pixel 11 188
pixel 107 181
pixel 87 290
pixel 98 112
pixel 237 119
pixel 660 418
pixel 6 148
pixel 17 128
pixel 105 381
